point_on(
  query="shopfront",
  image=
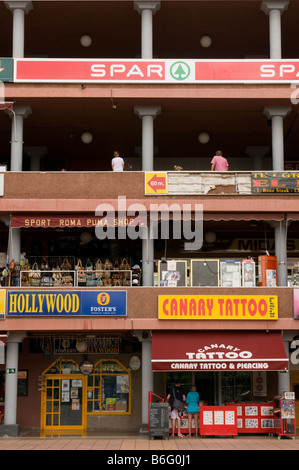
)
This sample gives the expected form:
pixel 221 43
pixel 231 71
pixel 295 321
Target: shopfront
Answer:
pixel 70 392
pixel 225 366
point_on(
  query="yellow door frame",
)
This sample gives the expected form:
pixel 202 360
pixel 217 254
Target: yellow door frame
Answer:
pixel 44 402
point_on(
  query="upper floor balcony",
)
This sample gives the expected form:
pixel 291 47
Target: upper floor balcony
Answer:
pixel 236 29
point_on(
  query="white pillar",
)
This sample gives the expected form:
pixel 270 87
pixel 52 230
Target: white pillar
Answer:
pixel 11 378
pixel 277 114
pixel 147 9
pixel 274 9
pixel 16 159
pixel 280 232
pixel 147 373
pixel 19 9
pixel 147 114
pixel 148 256
pixel 35 154
pixel 14 245
pixel 257 153
pixel 284 383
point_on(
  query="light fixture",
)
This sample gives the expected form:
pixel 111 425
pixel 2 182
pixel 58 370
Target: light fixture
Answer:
pixel 85 237
pixel 86 137
pixel 210 237
pixel 203 137
pixel 205 41
pixel 85 40
pixel 81 345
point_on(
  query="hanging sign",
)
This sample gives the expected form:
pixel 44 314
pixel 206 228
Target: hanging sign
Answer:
pixel 218 307
pixel 66 303
pixel 155 71
pixel 275 182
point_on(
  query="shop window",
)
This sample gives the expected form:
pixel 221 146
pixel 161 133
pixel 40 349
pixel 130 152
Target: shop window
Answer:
pixel 109 388
pixel 63 366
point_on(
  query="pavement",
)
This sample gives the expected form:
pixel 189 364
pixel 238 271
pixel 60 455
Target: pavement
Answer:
pixel 142 443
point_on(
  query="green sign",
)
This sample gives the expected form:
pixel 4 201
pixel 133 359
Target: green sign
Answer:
pixel 6 70
pixel 10 371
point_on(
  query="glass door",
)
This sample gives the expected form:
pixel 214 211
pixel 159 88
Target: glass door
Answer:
pixel 63 406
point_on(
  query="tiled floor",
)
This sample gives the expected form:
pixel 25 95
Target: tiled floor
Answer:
pixel 144 443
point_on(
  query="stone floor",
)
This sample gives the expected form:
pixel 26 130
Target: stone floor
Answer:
pixel 34 440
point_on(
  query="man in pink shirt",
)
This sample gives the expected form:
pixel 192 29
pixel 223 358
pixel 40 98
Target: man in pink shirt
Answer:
pixel 219 163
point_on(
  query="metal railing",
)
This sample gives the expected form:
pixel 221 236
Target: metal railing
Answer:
pixel 75 278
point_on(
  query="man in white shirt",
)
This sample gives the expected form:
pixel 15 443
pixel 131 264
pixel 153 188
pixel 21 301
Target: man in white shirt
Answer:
pixel 117 162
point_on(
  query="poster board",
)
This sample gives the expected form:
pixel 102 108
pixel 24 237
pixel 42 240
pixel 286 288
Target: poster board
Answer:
pixel 230 273
pixel 172 273
pixel 204 272
pixel 218 421
pixel 248 273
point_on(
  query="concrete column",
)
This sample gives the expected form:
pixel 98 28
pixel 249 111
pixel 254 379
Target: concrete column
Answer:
pixel 284 383
pixel 147 114
pixel 16 159
pixel 257 154
pixel 147 374
pixel 274 9
pixel 19 9
pixel 14 245
pixel 35 154
pixel 277 114
pixel 11 383
pixel 280 231
pixel 148 256
pixel 147 9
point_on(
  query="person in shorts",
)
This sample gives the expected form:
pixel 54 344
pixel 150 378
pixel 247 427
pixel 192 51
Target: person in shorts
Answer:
pixel 175 413
pixel 193 409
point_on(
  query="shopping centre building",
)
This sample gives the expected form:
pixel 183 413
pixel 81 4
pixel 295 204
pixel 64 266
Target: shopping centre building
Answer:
pixel 115 285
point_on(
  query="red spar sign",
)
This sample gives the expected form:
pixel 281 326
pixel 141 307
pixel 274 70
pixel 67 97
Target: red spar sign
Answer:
pixel 155 71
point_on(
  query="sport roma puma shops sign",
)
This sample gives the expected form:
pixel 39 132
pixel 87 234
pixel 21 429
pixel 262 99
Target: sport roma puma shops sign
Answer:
pixel 155 71
pixel 217 307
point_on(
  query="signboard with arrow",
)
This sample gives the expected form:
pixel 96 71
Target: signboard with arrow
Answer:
pixel 156 183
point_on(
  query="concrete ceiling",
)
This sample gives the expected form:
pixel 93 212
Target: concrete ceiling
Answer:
pixel 238 29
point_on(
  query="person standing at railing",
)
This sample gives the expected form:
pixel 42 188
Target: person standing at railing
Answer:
pixel 117 162
pixel 219 163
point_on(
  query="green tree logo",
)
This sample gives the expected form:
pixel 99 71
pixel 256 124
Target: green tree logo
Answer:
pixel 180 71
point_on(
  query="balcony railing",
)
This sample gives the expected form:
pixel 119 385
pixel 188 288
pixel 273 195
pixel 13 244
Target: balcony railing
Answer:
pixel 76 278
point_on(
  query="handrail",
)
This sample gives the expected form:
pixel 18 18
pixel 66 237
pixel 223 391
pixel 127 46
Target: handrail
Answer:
pixel 76 278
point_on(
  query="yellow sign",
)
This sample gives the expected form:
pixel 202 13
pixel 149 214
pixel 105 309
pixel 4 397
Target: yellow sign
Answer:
pixel 217 307
pixel 2 301
pixel 156 183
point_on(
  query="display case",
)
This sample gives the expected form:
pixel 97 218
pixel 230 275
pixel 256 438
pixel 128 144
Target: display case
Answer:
pixel 204 272
pixel 172 273
pixel 230 273
pixel 254 418
pixel 248 273
pixel 285 417
pixel 218 421
pixel 267 271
